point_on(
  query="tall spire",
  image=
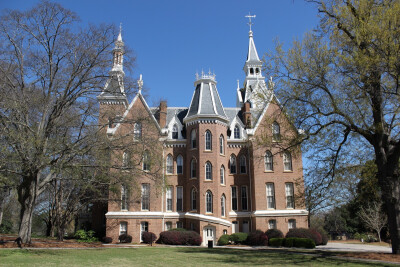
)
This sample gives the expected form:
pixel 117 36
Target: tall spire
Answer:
pixel 118 53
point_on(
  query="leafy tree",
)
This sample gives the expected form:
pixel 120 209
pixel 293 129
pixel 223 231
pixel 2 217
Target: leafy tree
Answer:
pixel 341 84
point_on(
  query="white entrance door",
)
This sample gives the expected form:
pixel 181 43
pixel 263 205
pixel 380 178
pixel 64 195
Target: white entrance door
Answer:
pixel 245 226
pixel 235 227
pixel 208 235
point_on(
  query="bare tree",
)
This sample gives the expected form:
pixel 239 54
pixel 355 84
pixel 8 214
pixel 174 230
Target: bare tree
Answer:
pixel 373 217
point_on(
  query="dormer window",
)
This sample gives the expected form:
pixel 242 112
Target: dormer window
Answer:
pixel 236 132
pixel 175 132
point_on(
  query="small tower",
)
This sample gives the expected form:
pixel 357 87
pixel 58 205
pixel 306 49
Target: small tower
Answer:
pixel 113 101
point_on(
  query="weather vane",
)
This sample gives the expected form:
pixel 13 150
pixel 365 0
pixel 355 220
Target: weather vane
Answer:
pixel 120 27
pixel 249 16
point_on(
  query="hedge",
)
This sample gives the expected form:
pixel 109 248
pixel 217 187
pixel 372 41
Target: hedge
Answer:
pixel 107 239
pixel 239 238
pixel 274 233
pixel 124 238
pixel 180 238
pixel 305 233
pixel 288 242
pixel 224 240
pixel 148 237
pixel 316 236
pixel 257 238
pixel 276 242
pixel 304 243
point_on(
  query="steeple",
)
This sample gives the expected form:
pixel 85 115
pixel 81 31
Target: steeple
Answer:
pixel 113 92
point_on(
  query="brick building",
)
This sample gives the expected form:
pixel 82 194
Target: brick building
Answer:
pixel 222 170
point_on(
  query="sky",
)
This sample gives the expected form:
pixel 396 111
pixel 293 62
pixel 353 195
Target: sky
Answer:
pixel 174 39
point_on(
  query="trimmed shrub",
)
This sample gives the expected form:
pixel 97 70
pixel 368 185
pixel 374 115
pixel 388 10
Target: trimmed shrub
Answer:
pixel 178 229
pixel 124 238
pixel 324 238
pixel 305 233
pixel 304 243
pixel 223 240
pixel 288 242
pixel 148 237
pixel 107 239
pixel 276 242
pixel 180 238
pixel 84 236
pixel 274 233
pixel 316 236
pixel 239 238
pixel 257 238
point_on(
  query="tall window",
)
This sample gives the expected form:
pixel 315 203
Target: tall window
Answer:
pixel 234 197
pixel 146 161
pixel 193 198
pixel 232 164
pixel 179 164
pixel 125 159
pixel 169 198
pixel 168 226
pixel 137 131
pixel 145 196
pixel 193 138
pixel 222 174
pixel 124 198
pixel 276 131
pixel 175 132
pixel 179 198
pixel 193 169
pixel 236 132
pixel 209 202
pixel 242 164
pixel 287 161
pixel 223 200
pixel 292 224
pixel 244 197
pixel 170 164
pixel 123 228
pixel 208 171
pixel 272 224
pixel 289 195
pixel 221 144
pixel 269 161
pixel 208 140
pixel 144 227
pixel 270 196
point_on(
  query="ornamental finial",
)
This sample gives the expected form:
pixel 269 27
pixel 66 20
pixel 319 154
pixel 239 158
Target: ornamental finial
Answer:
pixel 249 16
pixel 140 83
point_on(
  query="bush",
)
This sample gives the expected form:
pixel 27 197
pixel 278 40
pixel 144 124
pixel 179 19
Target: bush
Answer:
pixel 304 243
pixel 148 237
pixel 276 242
pixel 178 229
pixel 124 238
pixel 239 238
pixel 305 233
pixel 274 233
pixel 6 227
pixel 316 237
pixel 288 242
pixel 223 240
pixel 180 238
pixel 84 236
pixel 107 239
pixel 257 238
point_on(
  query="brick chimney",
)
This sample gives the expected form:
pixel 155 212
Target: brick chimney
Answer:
pixel 246 114
pixel 162 116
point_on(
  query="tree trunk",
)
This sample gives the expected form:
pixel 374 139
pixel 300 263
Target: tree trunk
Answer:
pixel 27 192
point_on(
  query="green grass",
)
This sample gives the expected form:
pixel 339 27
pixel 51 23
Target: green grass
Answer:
pixel 171 256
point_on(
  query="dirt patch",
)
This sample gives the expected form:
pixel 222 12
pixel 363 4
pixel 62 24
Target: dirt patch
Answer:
pixel 9 242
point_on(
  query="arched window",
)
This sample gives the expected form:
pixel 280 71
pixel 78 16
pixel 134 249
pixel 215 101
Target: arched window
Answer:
pixel 232 164
pixel 175 132
pixel 170 164
pixel 208 171
pixel 222 174
pixel 257 70
pixel 193 138
pixel 209 202
pixel 242 164
pixel 193 169
pixel 179 164
pixel 208 140
pixel 125 159
pixel 221 144
pixel 146 161
pixel 269 161
pixel 193 198
pixel 236 132
pixel 223 205
pixel 287 161
pixel 137 131
pixel 251 71
pixel 276 131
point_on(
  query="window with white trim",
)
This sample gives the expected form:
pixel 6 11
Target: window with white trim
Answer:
pixel 146 161
pixel 289 195
pixel 236 132
pixel 221 145
pixel 179 164
pixel 208 139
pixel 234 198
pixel 193 199
pixel 193 138
pixel 222 175
pixel 170 164
pixel 292 224
pixel 223 201
pixel 270 196
pixel 242 164
pixel 179 198
pixel 209 202
pixel 168 226
pixel 208 171
pixel 287 161
pixel 124 197
pixel 272 224
pixel 144 227
pixel 169 198
pixel 175 132
pixel 123 228
pixel 232 164
pixel 137 131
pixel 244 197
pixel 276 131
pixel 269 161
pixel 145 196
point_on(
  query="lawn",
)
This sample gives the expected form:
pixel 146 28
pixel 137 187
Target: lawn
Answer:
pixel 162 256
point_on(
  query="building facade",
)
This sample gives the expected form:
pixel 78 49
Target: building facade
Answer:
pixel 221 169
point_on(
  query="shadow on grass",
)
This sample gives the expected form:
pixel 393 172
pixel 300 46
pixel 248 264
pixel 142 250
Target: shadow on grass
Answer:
pixel 271 257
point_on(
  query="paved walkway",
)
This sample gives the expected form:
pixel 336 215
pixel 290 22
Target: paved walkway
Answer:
pixel 345 247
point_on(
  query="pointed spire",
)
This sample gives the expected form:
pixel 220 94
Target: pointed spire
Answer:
pixel 119 39
pixel 140 84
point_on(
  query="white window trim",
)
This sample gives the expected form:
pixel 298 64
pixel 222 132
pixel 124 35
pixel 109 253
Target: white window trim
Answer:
pixel 169 196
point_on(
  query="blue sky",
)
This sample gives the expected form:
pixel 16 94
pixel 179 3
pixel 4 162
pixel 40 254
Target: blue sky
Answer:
pixel 174 39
